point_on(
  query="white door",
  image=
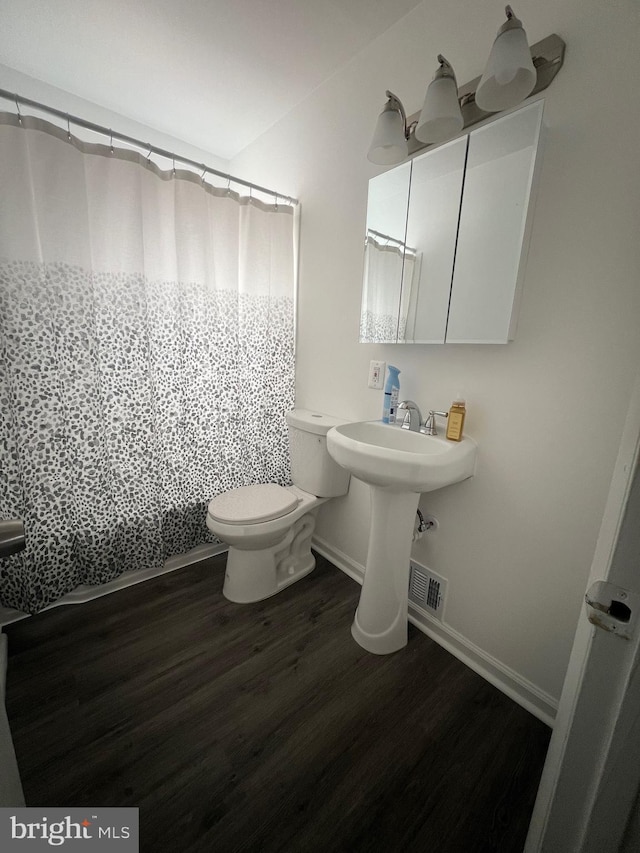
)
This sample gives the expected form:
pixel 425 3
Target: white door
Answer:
pixel 589 788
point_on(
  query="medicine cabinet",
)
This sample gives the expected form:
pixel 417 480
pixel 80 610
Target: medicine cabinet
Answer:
pixel 446 238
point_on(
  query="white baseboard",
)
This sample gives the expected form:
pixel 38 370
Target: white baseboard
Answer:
pixel 339 559
pixel 536 701
pixel 87 593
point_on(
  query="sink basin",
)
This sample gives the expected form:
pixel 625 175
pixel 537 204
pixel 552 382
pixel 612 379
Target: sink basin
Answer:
pixel 398 465
pixel 399 459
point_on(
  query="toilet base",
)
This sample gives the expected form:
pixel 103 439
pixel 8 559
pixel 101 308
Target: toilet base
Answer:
pixel 255 575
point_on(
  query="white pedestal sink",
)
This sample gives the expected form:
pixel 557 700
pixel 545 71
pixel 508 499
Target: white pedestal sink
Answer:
pixel 398 465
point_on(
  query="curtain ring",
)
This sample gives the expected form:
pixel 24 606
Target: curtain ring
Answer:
pixel 18 110
pixel 68 128
pixel 276 202
pixel 150 153
pixel 228 185
pixel 173 170
pixel 203 174
pixel 111 141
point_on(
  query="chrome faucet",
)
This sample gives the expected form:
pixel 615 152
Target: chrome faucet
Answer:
pixel 429 427
pixel 408 415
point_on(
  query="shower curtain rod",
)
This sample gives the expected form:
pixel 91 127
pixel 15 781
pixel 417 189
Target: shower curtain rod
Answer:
pixel 152 149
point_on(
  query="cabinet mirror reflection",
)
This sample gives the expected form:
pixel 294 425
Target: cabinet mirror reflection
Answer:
pixel 446 236
pixel 384 255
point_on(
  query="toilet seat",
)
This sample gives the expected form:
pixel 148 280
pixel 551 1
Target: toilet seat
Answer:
pixel 253 504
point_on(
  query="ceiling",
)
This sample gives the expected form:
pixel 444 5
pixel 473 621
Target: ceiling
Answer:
pixel 215 73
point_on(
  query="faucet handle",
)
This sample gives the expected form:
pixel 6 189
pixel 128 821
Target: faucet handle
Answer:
pixel 429 427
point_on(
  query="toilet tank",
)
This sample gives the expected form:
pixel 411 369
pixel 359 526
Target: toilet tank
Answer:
pixel 312 469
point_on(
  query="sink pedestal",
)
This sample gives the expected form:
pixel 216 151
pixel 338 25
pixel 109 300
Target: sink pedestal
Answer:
pixel 398 465
pixel 380 623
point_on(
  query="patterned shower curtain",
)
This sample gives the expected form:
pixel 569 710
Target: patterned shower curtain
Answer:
pixel 146 356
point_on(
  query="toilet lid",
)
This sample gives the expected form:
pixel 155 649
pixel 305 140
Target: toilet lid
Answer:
pixel 252 504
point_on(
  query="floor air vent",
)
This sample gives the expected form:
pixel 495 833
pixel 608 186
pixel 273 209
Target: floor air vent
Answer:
pixel 427 590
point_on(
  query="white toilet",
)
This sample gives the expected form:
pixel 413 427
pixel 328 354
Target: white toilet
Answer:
pixel 268 528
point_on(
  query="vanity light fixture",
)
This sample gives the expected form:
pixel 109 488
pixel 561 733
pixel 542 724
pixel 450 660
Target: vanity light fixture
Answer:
pixel 441 117
pixel 510 74
pixel 513 72
pixel 389 143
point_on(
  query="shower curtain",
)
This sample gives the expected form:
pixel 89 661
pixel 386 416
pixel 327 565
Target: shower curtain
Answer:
pixel 146 356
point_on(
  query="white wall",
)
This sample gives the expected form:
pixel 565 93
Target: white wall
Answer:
pixel 516 542
pixel 547 410
pixel 38 90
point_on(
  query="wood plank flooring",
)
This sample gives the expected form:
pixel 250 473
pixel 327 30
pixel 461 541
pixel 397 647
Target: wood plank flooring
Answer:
pixel 265 727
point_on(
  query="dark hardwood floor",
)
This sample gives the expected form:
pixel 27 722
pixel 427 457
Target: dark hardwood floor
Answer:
pixel 265 727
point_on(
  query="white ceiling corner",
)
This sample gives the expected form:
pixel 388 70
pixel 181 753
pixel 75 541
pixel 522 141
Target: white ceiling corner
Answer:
pixel 215 73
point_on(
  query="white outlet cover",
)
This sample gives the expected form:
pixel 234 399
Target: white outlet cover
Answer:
pixel 377 371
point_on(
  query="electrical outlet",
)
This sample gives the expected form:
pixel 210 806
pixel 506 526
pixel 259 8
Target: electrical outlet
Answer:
pixel 376 374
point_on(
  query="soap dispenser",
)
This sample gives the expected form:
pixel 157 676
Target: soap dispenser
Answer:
pixel 391 395
pixel 455 421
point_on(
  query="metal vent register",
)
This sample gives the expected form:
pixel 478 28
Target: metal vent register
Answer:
pixel 427 590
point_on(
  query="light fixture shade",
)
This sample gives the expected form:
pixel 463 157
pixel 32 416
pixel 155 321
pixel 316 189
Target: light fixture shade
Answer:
pixel 510 74
pixel 441 116
pixel 389 143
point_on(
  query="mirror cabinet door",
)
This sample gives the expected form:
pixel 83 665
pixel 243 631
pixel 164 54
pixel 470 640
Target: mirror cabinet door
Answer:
pixel 492 231
pixel 384 255
pixel 446 234
pixel 434 207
